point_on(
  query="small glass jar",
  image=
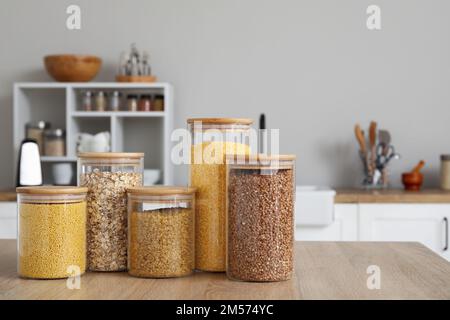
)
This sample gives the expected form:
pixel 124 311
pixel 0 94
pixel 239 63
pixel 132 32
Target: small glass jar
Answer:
pixel 100 101
pixel 51 232
pixel 158 103
pixel 108 175
pixel 161 231
pixel 114 101
pixel 260 217
pixel 445 171
pixel 132 102
pixel 86 101
pixel 35 131
pixel 145 103
pixel 55 144
pixel 212 138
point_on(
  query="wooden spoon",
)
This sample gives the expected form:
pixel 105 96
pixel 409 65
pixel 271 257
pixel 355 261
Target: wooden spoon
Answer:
pixel 360 137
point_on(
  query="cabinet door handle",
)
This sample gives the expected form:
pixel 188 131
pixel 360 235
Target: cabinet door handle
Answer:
pixel 446 233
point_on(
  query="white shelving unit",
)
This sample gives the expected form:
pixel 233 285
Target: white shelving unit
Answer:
pixel 58 103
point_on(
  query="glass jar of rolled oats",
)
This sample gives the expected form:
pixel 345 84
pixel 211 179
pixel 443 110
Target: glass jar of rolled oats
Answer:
pixel 107 177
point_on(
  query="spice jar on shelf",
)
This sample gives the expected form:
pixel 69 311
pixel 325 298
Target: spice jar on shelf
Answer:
pixel 100 101
pixel 161 231
pixel 107 177
pixel 54 143
pixel 207 174
pixel 114 101
pixel 260 217
pixel 132 102
pixel 158 103
pixel 35 131
pixel 86 101
pixel 145 103
pixel 51 232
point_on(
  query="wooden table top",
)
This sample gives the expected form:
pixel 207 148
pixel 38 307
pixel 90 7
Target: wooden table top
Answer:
pixel 324 270
pixel 391 196
pixel 8 195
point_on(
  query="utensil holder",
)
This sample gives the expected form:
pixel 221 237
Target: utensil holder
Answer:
pixel 374 177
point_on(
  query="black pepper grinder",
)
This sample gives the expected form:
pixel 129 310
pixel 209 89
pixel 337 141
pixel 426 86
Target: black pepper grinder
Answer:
pixel 262 146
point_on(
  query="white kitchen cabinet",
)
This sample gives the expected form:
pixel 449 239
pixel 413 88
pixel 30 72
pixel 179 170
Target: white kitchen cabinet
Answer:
pixel 344 227
pixel 425 223
pixel 8 220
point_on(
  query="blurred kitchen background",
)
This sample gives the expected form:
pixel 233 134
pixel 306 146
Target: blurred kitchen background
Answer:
pixel 311 66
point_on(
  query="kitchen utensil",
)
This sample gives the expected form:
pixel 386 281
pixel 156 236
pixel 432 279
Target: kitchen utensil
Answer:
pixel 99 142
pixel 72 68
pixel 384 138
pixel 62 173
pixel 412 181
pixel 383 157
pixel 360 138
pixel 419 166
pixel 262 148
pixel 368 169
pixel 29 171
pixel 372 141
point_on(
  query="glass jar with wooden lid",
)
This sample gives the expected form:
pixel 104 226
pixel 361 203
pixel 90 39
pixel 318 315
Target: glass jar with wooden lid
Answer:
pixel 107 175
pixel 51 232
pixel 161 231
pixel 260 217
pixel 212 139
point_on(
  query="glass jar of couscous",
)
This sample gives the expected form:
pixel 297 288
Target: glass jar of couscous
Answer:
pixel 51 232
pixel 212 139
pixel 161 231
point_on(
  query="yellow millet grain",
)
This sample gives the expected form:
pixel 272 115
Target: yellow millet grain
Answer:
pixel 52 237
pixel 161 243
pixel 210 219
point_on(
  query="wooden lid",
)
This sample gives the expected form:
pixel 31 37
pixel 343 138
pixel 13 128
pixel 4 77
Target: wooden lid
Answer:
pixel 110 155
pixel 162 190
pixel 262 157
pixel 261 161
pixel 243 121
pixel 48 190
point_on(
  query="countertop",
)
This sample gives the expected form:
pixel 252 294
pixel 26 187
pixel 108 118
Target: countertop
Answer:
pixel 8 195
pixel 391 196
pixel 323 270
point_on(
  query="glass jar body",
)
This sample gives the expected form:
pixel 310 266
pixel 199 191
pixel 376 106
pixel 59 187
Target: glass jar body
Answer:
pixel 260 221
pixel 107 180
pixel 51 235
pixel 210 143
pixel 160 235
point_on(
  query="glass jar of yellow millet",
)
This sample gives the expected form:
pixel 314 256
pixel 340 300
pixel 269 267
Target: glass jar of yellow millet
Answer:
pixel 51 232
pixel 212 139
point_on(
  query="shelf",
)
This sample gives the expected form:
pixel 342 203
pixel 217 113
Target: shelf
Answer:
pixel 59 103
pixel 95 85
pixel 58 159
pixel 130 114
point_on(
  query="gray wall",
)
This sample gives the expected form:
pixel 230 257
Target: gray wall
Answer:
pixel 312 66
